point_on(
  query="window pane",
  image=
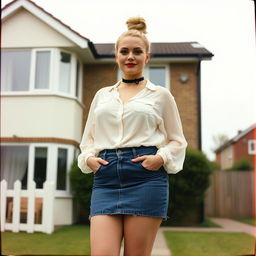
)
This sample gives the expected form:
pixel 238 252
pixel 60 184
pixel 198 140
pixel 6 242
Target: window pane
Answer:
pixel 14 165
pixel 42 70
pixel 15 70
pixel 40 166
pixel 65 68
pixel 77 77
pixel 157 75
pixel 62 169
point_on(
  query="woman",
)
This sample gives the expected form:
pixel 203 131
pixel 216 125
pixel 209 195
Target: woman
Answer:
pixel 132 139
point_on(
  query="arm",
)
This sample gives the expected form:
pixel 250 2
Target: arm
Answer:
pixel 173 153
pixel 87 142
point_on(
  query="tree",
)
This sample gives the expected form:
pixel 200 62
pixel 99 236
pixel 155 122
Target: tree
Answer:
pixel 219 140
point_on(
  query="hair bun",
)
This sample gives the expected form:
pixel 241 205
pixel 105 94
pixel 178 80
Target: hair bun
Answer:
pixel 137 23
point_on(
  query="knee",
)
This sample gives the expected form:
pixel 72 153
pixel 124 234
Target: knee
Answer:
pixel 136 252
pixel 105 251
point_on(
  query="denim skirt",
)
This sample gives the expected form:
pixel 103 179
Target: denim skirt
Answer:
pixel 126 187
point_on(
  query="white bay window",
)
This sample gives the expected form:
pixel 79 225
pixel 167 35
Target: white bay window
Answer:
pixel 38 162
pixel 15 70
pixel 41 71
pixel 64 72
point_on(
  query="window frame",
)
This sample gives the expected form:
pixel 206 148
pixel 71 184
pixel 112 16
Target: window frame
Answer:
pixel 32 83
pixel 52 162
pixel 250 143
pixel 167 73
pixel 53 75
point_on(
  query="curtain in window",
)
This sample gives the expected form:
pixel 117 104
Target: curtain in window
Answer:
pixel 42 70
pixel 15 70
pixel 14 163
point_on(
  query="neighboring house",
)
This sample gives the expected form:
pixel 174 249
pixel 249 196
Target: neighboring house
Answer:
pixel 242 146
pixel 49 76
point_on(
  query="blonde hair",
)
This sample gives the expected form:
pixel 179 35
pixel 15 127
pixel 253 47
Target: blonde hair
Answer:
pixel 136 27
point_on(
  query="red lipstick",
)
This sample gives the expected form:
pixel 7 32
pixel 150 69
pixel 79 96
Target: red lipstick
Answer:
pixel 130 65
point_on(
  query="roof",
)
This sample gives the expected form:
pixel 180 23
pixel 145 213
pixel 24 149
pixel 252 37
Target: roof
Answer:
pixel 47 17
pixel 236 138
pixel 159 50
pixel 178 49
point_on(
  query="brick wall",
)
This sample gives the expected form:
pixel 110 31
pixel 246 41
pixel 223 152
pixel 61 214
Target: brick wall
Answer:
pixel 96 77
pixel 186 98
pixel 241 147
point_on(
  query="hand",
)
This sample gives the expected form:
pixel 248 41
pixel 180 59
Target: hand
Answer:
pixel 95 162
pixel 150 162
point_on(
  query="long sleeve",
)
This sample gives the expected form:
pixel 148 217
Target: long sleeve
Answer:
pixel 87 142
pixel 173 153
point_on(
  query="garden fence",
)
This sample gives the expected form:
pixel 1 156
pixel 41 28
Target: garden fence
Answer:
pixel 231 194
pixel 27 210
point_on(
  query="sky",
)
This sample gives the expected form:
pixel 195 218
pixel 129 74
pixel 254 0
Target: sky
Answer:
pixel 224 27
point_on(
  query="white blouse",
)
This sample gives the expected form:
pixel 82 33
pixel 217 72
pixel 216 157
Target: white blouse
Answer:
pixel 150 118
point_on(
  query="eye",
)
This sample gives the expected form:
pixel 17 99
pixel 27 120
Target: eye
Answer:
pixel 124 51
pixel 137 51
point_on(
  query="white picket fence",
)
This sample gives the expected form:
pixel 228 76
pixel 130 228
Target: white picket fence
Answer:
pixel 47 195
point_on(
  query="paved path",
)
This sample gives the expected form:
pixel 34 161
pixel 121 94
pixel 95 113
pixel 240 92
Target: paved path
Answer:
pixel 227 225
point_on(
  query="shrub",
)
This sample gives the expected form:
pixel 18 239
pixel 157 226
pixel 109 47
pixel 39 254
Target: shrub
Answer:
pixel 243 164
pixel 214 165
pixel 187 189
pixel 81 185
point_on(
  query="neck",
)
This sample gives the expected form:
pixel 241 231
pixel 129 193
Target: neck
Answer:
pixel 133 81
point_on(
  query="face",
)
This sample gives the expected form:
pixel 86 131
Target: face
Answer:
pixel 131 56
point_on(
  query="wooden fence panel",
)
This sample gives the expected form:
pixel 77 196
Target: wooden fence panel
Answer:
pixel 231 194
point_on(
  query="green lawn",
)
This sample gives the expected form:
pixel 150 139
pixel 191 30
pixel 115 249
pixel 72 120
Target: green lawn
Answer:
pixel 74 240
pixel 209 243
pixel 247 221
pixel 70 240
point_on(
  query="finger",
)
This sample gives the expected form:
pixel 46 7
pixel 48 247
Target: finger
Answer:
pixel 139 158
pixel 102 161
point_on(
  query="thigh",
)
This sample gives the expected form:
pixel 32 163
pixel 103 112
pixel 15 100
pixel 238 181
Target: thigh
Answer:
pixel 139 234
pixel 106 233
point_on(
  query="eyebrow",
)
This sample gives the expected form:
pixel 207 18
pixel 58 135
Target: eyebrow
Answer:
pixel 136 48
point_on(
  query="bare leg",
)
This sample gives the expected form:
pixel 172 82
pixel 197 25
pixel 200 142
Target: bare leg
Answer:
pixel 139 234
pixel 106 233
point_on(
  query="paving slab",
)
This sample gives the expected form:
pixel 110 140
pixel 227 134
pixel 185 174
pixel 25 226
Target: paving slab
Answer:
pixel 235 226
pixel 227 225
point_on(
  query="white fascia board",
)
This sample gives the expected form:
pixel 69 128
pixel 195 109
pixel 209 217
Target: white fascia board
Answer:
pixel 81 42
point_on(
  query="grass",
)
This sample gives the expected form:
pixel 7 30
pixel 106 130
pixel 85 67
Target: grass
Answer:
pixel 206 224
pixel 209 224
pixel 69 240
pixel 247 221
pixel 209 243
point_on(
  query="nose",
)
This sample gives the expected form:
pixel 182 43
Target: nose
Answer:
pixel 130 56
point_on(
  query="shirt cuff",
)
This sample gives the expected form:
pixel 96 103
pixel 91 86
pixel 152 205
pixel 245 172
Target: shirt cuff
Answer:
pixel 81 162
pixel 163 156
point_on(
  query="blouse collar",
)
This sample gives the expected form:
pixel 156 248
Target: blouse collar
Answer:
pixel 149 85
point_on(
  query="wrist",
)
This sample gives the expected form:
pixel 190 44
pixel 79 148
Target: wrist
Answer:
pixel 160 158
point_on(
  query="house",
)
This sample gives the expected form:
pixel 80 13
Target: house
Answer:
pixel 241 146
pixel 49 76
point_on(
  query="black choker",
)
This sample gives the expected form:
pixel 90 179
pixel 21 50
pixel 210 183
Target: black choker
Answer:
pixel 136 81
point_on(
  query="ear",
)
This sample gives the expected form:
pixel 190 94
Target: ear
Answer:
pixel 148 57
